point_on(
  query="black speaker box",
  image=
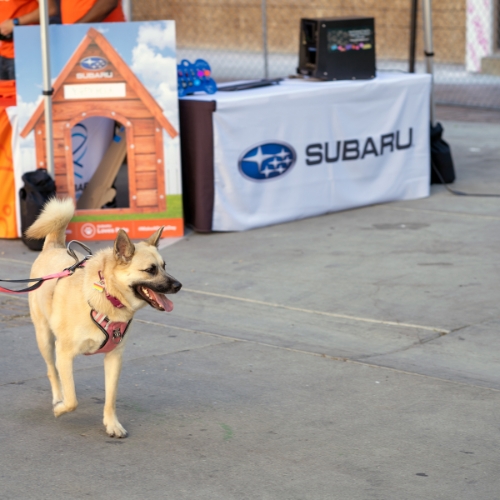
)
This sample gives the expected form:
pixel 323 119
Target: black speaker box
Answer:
pixel 340 48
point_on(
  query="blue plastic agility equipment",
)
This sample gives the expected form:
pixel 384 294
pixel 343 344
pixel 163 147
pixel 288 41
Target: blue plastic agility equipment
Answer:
pixel 195 77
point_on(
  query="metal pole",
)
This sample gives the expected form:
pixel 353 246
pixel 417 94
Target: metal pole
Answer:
pixel 429 48
pixel 413 34
pixel 47 85
pixel 264 38
pixel 127 9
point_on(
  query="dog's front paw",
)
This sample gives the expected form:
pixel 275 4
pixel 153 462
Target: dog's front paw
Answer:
pixel 60 408
pixel 115 429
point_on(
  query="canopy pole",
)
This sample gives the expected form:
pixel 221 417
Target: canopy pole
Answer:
pixel 127 9
pixel 264 38
pixel 47 85
pixel 429 48
pixel 413 35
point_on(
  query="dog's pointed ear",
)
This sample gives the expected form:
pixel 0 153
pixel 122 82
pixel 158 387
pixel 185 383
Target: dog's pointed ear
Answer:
pixel 124 248
pixel 154 239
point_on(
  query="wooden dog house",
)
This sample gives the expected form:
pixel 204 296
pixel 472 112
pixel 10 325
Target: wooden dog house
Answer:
pixel 97 82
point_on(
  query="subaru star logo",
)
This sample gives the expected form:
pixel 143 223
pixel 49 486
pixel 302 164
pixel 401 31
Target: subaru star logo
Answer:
pixel 267 160
pixel 93 62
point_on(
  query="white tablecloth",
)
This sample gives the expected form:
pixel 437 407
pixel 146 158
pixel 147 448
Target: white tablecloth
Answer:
pixel 306 148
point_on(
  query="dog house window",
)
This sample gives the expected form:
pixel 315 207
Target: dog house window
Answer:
pixel 99 148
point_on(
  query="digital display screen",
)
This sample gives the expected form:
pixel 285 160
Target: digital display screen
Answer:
pixel 346 39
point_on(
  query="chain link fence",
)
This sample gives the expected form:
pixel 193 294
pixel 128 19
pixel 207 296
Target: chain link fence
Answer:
pixel 250 39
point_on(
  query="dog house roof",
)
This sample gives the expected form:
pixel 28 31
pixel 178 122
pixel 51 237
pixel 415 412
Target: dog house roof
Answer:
pixel 93 36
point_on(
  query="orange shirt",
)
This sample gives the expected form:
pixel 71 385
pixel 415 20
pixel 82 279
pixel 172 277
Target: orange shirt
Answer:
pixel 73 10
pixel 9 9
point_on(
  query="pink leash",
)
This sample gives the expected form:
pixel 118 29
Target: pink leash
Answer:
pixel 62 274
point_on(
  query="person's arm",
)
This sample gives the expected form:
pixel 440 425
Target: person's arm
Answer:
pixel 32 17
pixel 99 11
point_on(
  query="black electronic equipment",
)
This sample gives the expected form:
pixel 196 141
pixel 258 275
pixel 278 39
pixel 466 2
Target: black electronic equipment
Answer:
pixel 340 48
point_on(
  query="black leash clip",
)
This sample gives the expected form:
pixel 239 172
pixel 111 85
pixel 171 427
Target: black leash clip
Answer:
pixel 78 263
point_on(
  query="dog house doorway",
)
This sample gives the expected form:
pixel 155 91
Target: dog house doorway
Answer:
pixel 99 155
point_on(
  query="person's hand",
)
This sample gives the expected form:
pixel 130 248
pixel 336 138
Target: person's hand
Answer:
pixel 6 27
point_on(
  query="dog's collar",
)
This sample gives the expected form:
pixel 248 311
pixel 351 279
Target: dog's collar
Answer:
pixel 113 330
pixel 100 286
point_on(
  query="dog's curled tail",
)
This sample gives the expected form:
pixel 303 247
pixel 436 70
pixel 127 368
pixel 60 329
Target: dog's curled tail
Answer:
pixel 52 222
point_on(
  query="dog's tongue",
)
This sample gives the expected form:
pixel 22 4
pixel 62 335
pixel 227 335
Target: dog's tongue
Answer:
pixel 162 300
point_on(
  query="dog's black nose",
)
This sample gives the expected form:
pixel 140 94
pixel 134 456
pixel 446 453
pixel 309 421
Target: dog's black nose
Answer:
pixel 176 286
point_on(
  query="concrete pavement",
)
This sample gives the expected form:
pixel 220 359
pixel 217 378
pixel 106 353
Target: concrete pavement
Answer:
pixel 349 356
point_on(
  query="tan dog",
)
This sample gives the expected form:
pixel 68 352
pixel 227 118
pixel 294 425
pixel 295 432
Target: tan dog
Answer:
pixel 61 310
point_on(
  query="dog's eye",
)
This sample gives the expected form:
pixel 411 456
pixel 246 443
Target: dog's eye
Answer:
pixel 163 265
pixel 151 269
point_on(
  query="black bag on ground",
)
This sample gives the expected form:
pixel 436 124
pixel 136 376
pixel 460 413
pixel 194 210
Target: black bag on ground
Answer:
pixel 37 190
pixel 441 159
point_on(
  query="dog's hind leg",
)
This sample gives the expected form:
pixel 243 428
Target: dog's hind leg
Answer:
pixel 64 363
pixel 112 369
pixel 46 342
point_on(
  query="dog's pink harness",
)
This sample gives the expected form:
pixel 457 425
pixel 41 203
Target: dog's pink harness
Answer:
pixel 114 330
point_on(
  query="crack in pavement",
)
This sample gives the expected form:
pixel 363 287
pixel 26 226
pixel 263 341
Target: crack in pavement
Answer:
pixel 403 349
pixel 323 355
